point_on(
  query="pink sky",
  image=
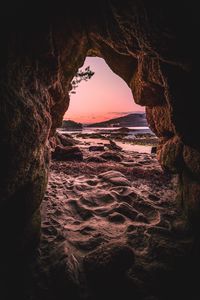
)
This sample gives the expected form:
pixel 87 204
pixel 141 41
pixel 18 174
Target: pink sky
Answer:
pixel 104 96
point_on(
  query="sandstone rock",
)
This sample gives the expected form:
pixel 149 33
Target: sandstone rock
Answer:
pixel 124 130
pixel 95 159
pixel 53 142
pixel 189 195
pixel 65 140
pixel 147 88
pixel 60 139
pixel 110 155
pixel 96 148
pixel 67 153
pixel 191 158
pixel 170 155
pixel 159 120
pixel 153 197
pixel 67 135
pixel 114 146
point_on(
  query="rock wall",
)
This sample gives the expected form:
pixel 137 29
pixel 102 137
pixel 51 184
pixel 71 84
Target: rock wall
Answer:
pixel 150 45
pixel 39 62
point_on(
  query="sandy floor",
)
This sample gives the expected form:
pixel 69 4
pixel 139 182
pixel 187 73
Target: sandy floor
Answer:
pixel 110 229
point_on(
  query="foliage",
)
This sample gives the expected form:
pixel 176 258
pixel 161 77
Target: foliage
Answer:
pixel 80 76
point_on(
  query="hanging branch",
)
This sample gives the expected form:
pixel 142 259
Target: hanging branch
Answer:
pixel 80 76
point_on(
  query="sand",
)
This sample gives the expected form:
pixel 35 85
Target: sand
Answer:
pixel 100 216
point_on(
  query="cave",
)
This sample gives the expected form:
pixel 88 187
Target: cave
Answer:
pixel 149 45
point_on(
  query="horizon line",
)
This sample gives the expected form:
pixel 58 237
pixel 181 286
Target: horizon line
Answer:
pixel 122 114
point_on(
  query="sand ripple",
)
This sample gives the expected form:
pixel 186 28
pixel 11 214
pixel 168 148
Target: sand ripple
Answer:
pixel 104 204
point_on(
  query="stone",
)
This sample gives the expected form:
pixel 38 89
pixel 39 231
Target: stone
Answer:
pixel 65 140
pixel 189 197
pixel 124 130
pixel 114 146
pixel 153 197
pixel 159 120
pixel 147 89
pixel 67 153
pixel 191 158
pixel 95 159
pixel 96 148
pixel 110 155
pixel 170 155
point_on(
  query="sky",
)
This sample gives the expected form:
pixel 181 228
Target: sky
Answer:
pixel 104 96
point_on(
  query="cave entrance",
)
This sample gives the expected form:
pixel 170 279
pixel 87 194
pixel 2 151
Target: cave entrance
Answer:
pixel 110 202
pixel 104 107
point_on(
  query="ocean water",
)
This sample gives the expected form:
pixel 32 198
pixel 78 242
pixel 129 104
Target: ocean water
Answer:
pixel 89 130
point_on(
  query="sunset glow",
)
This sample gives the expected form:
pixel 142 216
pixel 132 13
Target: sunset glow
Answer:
pixel 104 96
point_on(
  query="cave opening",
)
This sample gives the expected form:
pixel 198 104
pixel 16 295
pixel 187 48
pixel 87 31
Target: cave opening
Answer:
pixel 107 209
pixel 106 102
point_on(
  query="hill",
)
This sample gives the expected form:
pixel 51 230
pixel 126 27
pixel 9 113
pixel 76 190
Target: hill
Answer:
pixel 71 125
pixel 130 120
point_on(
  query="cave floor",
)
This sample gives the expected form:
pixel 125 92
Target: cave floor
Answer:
pixel 110 229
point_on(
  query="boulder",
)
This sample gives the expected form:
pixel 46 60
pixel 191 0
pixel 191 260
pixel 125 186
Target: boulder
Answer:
pixel 124 130
pixel 95 159
pixel 114 146
pixel 110 155
pixel 67 153
pixel 61 139
pixel 65 140
pixel 96 148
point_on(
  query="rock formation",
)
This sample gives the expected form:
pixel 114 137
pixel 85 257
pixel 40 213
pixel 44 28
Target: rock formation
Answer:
pixel 71 125
pixel 148 44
